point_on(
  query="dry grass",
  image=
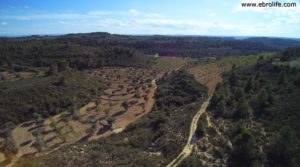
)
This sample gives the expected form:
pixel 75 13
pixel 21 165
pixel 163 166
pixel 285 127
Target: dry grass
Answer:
pixel 167 64
pixel 2 157
pixel 209 72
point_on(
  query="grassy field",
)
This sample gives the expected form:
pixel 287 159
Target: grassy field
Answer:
pixel 167 64
pixel 293 63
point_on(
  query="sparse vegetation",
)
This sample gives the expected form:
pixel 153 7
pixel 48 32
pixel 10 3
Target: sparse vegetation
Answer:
pixel 162 130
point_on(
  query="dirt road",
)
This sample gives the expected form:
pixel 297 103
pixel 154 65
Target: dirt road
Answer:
pixel 188 148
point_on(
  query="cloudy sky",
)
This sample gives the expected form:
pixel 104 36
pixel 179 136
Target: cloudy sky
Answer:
pixel 178 17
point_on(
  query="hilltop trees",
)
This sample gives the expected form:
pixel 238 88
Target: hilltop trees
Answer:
pixel 290 53
pixel 282 151
pixel 271 92
pixel 63 66
pixel 53 69
pixel 262 102
pixel 243 109
pixel 244 153
pixel 229 101
pixel 192 161
pixel 249 85
pixel 38 54
pixel 233 79
pixel 6 133
pixel 201 127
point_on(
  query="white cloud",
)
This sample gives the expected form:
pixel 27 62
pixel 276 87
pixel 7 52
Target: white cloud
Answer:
pixel 188 26
pixel 212 14
pixel 133 11
pixel 87 15
pixel 139 22
pixel 289 15
pixel 112 22
pixel 152 15
pixel 99 13
pixel 267 16
pixel 3 23
pixel 172 25
pixel 44 16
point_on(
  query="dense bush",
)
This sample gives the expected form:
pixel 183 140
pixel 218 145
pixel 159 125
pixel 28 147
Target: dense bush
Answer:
pixel 265 93
pixel 201 127
pixel 282 151
pixel 192 161
pixel 244 154
pixel 290 53
pixel 20 100
pixel 40 54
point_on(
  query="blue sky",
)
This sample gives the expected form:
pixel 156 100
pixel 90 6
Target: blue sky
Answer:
pixel 185 17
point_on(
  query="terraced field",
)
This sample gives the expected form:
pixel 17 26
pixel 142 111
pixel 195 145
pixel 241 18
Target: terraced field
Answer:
pixel 128 96
pixel 209 72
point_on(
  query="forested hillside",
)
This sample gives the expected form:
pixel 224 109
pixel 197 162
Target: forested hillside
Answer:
pixel 190 46
pixel 28 99
pixel 261 107
pixel 95 45
pixel 281 43
pixel 37 53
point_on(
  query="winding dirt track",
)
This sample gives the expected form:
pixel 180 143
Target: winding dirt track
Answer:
pixel 188 148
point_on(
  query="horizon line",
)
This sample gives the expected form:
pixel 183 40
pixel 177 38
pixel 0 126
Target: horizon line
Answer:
pixel 170 35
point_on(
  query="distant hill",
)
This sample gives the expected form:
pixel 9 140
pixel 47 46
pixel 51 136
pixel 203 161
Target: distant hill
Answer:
pixel 88 50
pixel 44 52
pixel 181 46
pixel 279 43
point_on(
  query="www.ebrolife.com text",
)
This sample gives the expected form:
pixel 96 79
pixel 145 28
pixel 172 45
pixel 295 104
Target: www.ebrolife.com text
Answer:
pixel 268 4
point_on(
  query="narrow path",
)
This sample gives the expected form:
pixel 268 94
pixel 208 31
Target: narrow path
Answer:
pixel 188 148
